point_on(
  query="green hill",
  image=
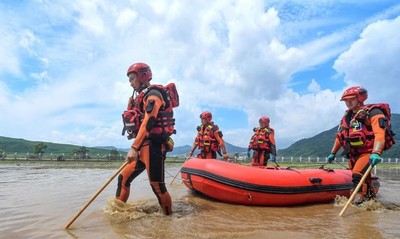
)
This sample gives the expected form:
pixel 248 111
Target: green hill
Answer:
pixel 321 144
pixel 21 147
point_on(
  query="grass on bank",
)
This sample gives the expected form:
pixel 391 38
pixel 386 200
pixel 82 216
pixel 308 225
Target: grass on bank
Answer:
pixel 70 163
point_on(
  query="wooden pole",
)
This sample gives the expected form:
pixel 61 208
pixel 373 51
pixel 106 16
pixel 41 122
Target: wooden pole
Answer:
pixel 356 190
pixel 94 197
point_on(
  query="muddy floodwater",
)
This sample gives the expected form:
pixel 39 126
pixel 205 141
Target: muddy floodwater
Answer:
pixel 36 202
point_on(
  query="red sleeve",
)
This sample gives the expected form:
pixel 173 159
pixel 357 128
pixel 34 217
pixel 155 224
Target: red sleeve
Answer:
pixel 379 133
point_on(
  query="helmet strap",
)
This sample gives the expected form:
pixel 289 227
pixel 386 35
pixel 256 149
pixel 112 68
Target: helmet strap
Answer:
pixel 141 88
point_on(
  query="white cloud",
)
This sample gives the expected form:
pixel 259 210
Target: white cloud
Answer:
pixel 89 16
pixel 126 18
pixel 4 95
pixel 222 54
pixel 9 61
pixel 314 86
pixel 372 61
pixel 27 40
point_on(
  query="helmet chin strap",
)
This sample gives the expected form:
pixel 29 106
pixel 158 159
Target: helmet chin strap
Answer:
pixel 357 107
pixel 141 88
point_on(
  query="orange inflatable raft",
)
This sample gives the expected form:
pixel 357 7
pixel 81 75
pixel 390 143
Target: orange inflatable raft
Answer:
pixel 266 186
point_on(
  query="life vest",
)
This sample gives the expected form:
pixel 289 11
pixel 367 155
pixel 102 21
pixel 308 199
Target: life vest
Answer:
pixel 260 139
pixel 206 140
pixel 355 131
pixel 165 122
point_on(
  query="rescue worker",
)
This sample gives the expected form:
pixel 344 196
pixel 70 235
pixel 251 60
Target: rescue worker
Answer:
pixel 361 133
pixel 209 139
pixel 148 150
pixel 262 143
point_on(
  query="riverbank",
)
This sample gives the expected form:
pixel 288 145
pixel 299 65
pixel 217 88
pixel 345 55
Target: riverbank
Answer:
pixel 45 163
pixel 117 163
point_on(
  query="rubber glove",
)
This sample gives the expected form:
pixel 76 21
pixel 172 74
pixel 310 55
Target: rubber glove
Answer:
pixel 273 158
pixel 331 158
pixel 374 159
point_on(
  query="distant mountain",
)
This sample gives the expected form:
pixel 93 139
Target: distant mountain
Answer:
pixel 179 151
pixel 321 144
pixel 317 146
pixel 22 146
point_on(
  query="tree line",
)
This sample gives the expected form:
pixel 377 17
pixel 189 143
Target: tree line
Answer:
pixel 82 152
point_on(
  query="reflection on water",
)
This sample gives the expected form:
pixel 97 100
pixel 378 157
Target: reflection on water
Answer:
pixel 37 202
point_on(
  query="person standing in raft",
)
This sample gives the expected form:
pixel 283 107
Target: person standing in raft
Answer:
pixel 361 133
pixel 149 120
pixel 209 139
pixel 262 143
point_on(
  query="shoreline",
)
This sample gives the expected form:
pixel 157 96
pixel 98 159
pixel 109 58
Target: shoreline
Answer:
pixel 169 161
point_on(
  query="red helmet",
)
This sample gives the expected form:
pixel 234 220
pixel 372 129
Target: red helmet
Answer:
pixel 355 91
pixel 206 115
pixel 142 70
pixel 264 119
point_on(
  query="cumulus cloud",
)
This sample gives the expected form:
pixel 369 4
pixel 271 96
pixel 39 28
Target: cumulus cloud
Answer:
pixel 314 86
pixel 9 61
pixel 222 55
pixel 370 61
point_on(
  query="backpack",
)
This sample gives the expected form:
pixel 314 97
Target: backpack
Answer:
pixel 384 123
pixel 173 95
pixel 169 94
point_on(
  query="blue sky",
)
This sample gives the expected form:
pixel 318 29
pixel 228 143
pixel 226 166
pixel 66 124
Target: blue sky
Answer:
pixel 63 64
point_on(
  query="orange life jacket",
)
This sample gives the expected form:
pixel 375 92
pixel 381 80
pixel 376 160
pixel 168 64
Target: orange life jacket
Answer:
pixel 165 122
pixel 260 139
pixel 206 140
pixel 355 133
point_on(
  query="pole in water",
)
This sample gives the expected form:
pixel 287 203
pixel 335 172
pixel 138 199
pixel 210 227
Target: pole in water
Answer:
pixel 356 190
pixel 94 197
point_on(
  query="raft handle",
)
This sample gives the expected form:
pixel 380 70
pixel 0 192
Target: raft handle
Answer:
pixel 315 180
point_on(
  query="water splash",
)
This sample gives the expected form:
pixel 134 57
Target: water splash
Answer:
pixel 120 211
pixel 340 201
pixel 370 205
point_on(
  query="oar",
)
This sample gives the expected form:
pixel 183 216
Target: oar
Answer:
pixel 94 197
pixel 178 171
pixel 356 190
